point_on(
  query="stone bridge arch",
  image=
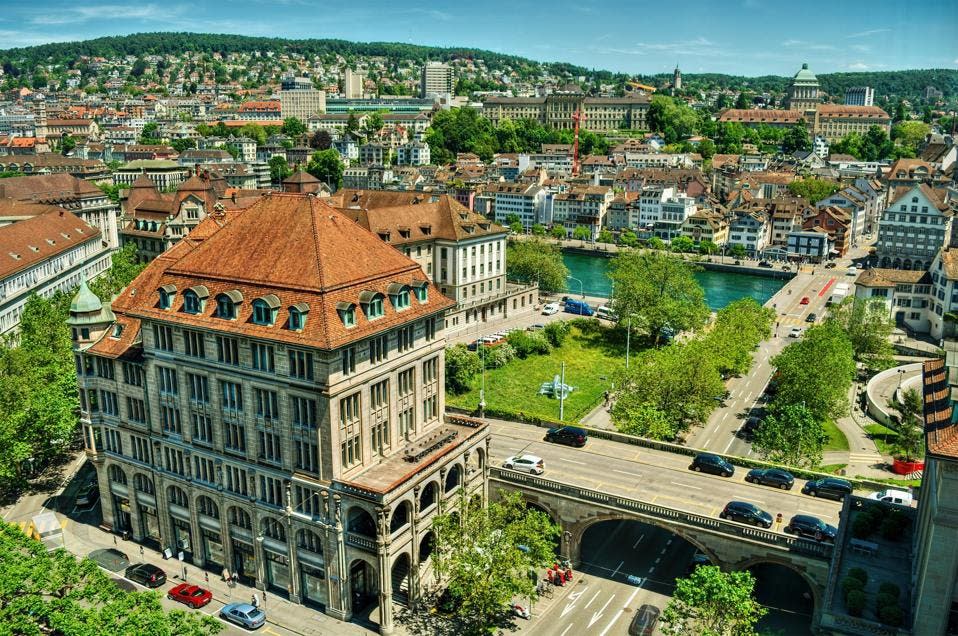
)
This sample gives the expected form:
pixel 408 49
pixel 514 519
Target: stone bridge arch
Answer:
pixel 816 580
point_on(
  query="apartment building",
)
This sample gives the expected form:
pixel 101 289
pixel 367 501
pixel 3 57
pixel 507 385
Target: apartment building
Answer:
pixel 46 249
pixel 461 251
pixel 705 225
pixel 582 206
pixel 913 228
pixel 267 397
pixel 525 200
pixel 436 79
pixel 860 96
pixel 834 121
pixel 751 230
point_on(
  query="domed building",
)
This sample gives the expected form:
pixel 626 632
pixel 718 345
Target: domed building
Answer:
pixel 803 92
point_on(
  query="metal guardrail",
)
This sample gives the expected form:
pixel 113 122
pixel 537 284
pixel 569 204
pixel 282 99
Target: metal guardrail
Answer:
pixel 790 543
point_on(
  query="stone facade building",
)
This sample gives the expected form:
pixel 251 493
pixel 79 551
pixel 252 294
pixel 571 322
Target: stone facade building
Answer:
pixel 602 114
pixel 267 397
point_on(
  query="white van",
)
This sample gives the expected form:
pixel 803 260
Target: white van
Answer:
pixel 605 313
pixel 852 271
pixel 899 497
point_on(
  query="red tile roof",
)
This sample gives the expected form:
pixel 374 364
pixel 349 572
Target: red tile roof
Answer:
pixel 941 434
pixel 31 241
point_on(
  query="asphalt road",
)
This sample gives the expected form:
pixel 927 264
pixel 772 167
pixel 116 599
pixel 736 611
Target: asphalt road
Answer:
pixel 650 475
pixel 719 434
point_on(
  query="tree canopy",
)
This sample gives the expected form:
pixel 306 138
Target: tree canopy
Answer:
pixel 791 435
pixel 813 189
pixel 711 602
pixel 327 166
pixel 868 326
pixel 532 260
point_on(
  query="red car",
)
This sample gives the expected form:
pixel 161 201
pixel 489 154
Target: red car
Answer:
pixel 804 301
pixel 192 595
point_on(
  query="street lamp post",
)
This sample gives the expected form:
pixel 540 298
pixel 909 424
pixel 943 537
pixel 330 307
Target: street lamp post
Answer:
pixel 581 286
pixel 482 386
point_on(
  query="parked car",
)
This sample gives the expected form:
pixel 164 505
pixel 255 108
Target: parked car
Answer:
pixel 146 574
pixel 244 615
pixel 550 309
pixel 852 271
pixel 828 487
pixel 192 595
pixel 525 463
pixel 745 512
pixel 88 495
pixel 578 307
pixel 804 301
pixel 569 435
pixel 765 264
pixel 811 317
pixel 796 332
pixel 812 528
pixel 605 313
pixel 830 265
pixel 710 463
pixel 900 497
pixel 537 326
pixel 644 621
pixel 771 477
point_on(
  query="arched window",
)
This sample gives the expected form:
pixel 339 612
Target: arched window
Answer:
pixel 167 294
pixel 347 313
pixel 143 484
pixel 240 518
pixel 226 304
pixel 372 303
pixel 178 496
pixel 273 529
pixel 399 295
pixel 297 316
pixel 194 299
pixel 421 289
pixel 117 475
pixel 206 506
pixel 265 310
pixel 309 541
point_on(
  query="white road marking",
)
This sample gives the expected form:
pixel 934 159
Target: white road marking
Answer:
pixel 729 445
pixel 619 613
pixel 657 560
pixel 669 542
pixel 651 569
pixel 675 483
pixel 616 570
pixel 638 541
pixel 571 461
pixel 566 629
pixel 592 599
pixel 568 608
pixel 706 444
pixel 625 472
pixel 663 550
pixel 575 595
pixel 597 615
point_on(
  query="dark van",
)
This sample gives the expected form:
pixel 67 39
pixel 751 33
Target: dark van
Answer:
pixel 568 435
pixel 578 307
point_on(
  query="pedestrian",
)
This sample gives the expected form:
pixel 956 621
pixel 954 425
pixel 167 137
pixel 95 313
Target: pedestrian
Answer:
pixel 206 577
pixel 255 599
pixel 226 577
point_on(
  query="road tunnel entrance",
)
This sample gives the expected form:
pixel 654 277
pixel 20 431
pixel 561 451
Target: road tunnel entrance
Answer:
pixel 788 598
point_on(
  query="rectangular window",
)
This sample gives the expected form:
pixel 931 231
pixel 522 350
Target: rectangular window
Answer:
pixel 141 449
pixel 378 349
pixel 135 410
pixel 303 412
pixel 110 403
pixel 430 408
pixel 104 368
pixel 234 437
pixel 227 350
pixel 269 447
pixel 350 433
pixel 166 378
pixel 307 502
pixel 204 469
pixel 306 455
pixel 112 441
pixel 173 460
pixel 407 422
pixel 132 374
pixel 379 407
pixel 267 404
pixel 263 357
pixel 232 395
pixel 237 480
pixel 271 490
pixel 163 337
pixel 199 387
pixel 405 338
pixel 430 371
pixel 202 428
pixel 170 420
pixel 194 343
pixel 406 379
pixel 300 364
pixel 349 360
pixel 429 328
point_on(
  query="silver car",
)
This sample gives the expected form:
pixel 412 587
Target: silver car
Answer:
pixel 244 615
pixel 526 463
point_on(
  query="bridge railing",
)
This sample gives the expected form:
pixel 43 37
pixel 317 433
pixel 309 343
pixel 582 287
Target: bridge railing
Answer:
pixel 644 509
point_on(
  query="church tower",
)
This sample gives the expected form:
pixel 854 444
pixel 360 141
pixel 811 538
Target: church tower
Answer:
pixel 676 79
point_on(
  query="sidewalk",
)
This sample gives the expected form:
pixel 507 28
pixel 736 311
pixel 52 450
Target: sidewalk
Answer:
pixel 283 617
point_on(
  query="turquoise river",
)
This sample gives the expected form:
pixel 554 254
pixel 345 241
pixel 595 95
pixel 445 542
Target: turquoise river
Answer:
pixel 721 288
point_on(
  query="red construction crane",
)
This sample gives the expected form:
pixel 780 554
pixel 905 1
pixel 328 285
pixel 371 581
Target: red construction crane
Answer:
pixel 577 116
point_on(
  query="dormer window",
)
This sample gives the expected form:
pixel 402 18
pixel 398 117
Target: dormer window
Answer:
pixel 373 305
pixel 226 304
pixel 421 289
pixel 347 313
pixel 117 330
pixel 399 295
pixel 194 299
pixel 297 316
pixel 384 236
pixel 167 294
pixel 404 232
pixel 265 310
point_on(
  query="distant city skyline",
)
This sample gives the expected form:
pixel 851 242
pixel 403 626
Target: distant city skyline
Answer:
pixel 747 37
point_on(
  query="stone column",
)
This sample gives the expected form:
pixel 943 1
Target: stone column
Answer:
pixel 337 568
pixel 259 553
pixel 385 572
pixel 414 591
pixel 295 580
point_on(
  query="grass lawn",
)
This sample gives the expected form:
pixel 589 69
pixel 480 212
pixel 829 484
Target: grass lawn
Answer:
pixel 832 469
pixel 836 439
pixel 590 364
pixel 898 483
pixel 884 438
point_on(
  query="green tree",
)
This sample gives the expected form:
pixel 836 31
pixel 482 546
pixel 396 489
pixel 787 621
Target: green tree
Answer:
pixel 321 140
pixel 605 236
pixel 911 432
pixel 516 227
pixel 124 267
pixel 796 138
pixel 868 326
pixel 813 189
pixel 792 436
pixel 513 218
pixel 706 148
pixel 558 232
pixel 901 113
pixel 484 555
pixel 111 190
pixel 373 125
pixel 629 239
pixel 909 135
pixel 655 243
pixel 462 366
pixel 539 229
pixel 711 602
pixel 582 233
pixel 816 371
pixel 352 125
pixel 682 244
pixel 253 131
pixel 149 133
pixel 326 166
pixel 737 250
pixel 293 127
pixel 68 144
pixel 45 592
pixel 708 247
pixel 535 260
pixel 179 145
pixel 738 329
pixel 659 290
pixel 278 169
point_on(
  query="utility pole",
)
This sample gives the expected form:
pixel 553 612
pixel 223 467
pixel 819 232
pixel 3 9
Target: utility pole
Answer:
pixel 562 392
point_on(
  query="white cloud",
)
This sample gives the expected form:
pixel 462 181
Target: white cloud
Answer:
pixel 861 48
pixel 865 34
pixel 75 15
pixel 858 66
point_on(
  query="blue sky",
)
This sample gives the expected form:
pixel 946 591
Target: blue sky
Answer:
pixel 748 37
